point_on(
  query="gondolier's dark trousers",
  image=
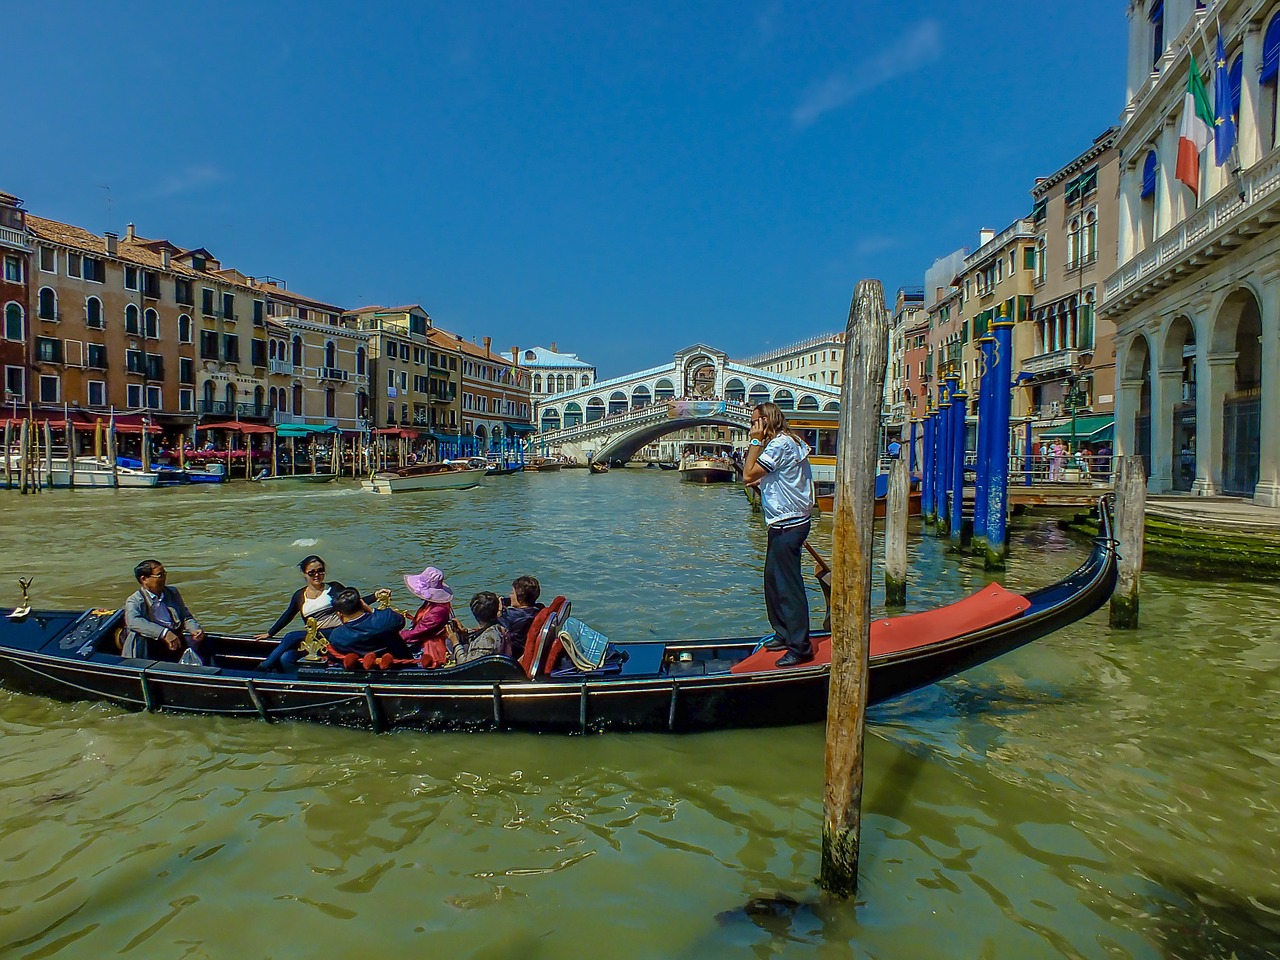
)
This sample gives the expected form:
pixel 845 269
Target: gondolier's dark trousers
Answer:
pixel 784 593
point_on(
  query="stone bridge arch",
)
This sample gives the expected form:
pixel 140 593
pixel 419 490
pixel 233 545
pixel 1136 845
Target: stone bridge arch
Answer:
pixel 628 444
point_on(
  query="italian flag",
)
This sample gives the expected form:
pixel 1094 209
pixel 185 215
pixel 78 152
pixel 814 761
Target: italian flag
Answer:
pixel 1197 129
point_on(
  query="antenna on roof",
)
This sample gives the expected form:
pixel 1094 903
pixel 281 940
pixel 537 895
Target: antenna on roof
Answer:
pixel 110 221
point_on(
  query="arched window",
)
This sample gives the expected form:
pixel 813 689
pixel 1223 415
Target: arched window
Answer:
pixel 663 390
pixel 330 355
pixel 1073 242
pixel 1089 243
pixel 360 361
pixel 297 399
pixel 1148 197
pixel 572 415
pixel 586 381
pixel 272 397
pixel 184 329
pixel 297 353
pixel 537 383
pixel 15 327
pixel 1041 266
pixel 735 391
pixel 151 324
pixel 131 324
pixel 550 420
pixel 595 409
pixel 229 397
pixel 93 313
pixel 617 402
pixel 808 402
pixel 208 397
pixel 640 397
pixel 784 400
pixel 47 307
pixel 257 398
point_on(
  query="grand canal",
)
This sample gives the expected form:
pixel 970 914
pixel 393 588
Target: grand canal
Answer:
pixel 1094 795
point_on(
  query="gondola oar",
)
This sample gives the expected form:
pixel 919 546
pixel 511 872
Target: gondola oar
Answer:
pixel 822 570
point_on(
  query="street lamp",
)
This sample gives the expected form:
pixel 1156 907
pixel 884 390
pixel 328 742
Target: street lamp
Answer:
pixel 1077 394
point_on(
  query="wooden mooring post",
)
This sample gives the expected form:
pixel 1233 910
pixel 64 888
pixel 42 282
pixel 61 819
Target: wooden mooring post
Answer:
pixel 865 356
pixel 895 535
pixel 8 455
pixel 1130 520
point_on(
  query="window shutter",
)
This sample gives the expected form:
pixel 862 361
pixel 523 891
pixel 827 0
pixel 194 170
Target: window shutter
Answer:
pixel 1149 168
pixel 1271 51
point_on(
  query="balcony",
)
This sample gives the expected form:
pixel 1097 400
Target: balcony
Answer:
pixel 332 373
pixel 221 408
pixel 11 237
pixel 1054 362
pixel 280 366
pixel 1221 224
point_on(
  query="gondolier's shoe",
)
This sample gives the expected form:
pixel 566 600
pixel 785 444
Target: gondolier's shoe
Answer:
pixel 791 658
pixel 771 642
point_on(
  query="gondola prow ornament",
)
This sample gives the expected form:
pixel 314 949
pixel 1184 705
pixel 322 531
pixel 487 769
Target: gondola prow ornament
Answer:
pixel 24 607
pixel 314 646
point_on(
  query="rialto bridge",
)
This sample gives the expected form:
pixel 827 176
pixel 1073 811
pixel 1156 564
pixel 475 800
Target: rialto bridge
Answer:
pixel 614 419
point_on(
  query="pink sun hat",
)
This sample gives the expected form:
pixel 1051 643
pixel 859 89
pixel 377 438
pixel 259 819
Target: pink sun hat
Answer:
pixel 429 585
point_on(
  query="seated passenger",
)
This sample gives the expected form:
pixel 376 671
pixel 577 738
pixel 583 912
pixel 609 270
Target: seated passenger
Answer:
pixel 487 640
pixel 313 599
pixel 365 630
pixel 158 625
pixel 425 634
pixel 519 610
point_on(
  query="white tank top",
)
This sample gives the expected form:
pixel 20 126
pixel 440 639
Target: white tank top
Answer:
pixel 322 602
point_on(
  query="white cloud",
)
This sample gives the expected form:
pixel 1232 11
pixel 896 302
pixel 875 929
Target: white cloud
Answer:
pixel 188 179
pixel 920 45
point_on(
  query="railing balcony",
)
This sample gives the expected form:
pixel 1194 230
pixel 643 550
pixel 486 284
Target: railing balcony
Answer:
pixel 221 408
pixel 332 373
pixel 281 366
pixel 1051 362
pixel 12 237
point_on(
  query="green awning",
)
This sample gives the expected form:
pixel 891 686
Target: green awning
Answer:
pixel 1091 429
pixel 302 430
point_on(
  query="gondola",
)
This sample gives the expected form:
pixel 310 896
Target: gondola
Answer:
pixel 598 467
pixel 662 685
pixel 668 466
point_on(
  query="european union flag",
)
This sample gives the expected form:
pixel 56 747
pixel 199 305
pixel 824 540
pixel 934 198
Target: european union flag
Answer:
pixel 1224 124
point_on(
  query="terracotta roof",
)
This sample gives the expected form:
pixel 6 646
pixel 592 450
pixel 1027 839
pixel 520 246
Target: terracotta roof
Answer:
pixel 404 308
pixel 277 292
pixel 455 342
pixel 130 251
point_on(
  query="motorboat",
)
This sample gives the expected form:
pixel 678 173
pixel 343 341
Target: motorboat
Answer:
pixel 425 476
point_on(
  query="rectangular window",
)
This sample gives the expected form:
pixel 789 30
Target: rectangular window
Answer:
pixel 50 389
pixel 97 356
pixel 154 397
pixel 404 352
pixel 135 361
pixel 1028 258
pixel 155 366
pixel 404 380
pixel 133 395
pixel 182 292
pixel 391 379
pixel 206 302
pixel 186 400
pixel 186 370
pixel 259 316
pixel 302 313
pixel 131 319
pixel 73 265
pixel 229 306
pixel 15 383
pixel 258 353
pixel 48 260
pixel 150 285
pixel 231 348
pixel 97 393
pixel 131 278
pixel 48 350
pixel 93 270
pixel 208 345
pixel 13 269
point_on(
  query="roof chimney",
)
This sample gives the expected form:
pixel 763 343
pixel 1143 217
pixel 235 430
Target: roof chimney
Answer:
pixel 515 356
pixel 128 231
pixel 985 236
pixel 488 342
pixel 164 258
pixel 109 240
pixel 553 347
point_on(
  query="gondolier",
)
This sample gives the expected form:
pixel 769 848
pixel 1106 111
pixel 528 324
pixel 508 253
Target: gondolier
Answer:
pixel 777 463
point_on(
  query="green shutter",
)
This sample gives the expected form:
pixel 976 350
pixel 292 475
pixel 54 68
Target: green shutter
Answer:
pixel 1028 258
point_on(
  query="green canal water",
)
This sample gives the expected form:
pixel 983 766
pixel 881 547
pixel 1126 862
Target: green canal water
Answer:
pixel 1096 794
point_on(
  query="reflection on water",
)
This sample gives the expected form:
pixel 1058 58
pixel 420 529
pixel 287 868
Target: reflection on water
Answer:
pixel 1095 794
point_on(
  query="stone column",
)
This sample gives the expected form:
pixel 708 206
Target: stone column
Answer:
pixel 1129 218
pixel 1267 492
pixel 1215 378
pixel 1249 125
pixel 1166 390
pixel 1128 396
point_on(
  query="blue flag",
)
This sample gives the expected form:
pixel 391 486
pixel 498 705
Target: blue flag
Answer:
pixel 1224 125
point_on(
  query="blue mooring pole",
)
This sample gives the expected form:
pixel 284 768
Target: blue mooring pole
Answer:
pixel 926 479
pixel 944 462
pixel 982 480
pixel 958 429
pixel 998 494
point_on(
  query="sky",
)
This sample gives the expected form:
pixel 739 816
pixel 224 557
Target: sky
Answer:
pixel 620 179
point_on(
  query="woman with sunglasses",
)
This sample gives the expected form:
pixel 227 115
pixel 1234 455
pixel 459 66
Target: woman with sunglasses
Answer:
pixel 313 599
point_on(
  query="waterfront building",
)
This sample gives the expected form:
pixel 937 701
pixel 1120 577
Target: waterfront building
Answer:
pixel 818 359
pixel 916 365
pixel 497 404
pixel 1070 364
pixel 15 300
pixel 908 312
pixel 1195 299
pixel 399 365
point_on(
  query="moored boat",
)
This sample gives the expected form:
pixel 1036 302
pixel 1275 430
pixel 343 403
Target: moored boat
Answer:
pixel 677 685
pixel 288 479
pixel 91 473
pixel 598 467
pixel 542 465
pixel 707 463
pixel 425 476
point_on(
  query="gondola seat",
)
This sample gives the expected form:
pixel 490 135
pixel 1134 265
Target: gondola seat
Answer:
pixel 543 638
pixel 990 606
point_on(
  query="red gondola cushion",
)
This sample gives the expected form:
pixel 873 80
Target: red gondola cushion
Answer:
pixel 991 605
pixel 536 641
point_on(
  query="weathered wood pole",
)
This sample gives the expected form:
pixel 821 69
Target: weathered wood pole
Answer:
pixel 71 453
pixel 959 401
pixel 48 454
pixel 293 456
pixel 111 452
pixel 24 455
pixel 145 453
pixel 895 534
pixel 865 356
pixel 1131 515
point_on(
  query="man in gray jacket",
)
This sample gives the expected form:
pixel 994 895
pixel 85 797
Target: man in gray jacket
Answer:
pixel 158 625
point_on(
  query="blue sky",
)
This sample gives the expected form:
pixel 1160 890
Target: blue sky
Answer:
pixel 623 179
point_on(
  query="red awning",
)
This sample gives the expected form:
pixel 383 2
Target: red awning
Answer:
pixel 237 425
pixel 129 423
pixel 398 432
pixel 80 420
